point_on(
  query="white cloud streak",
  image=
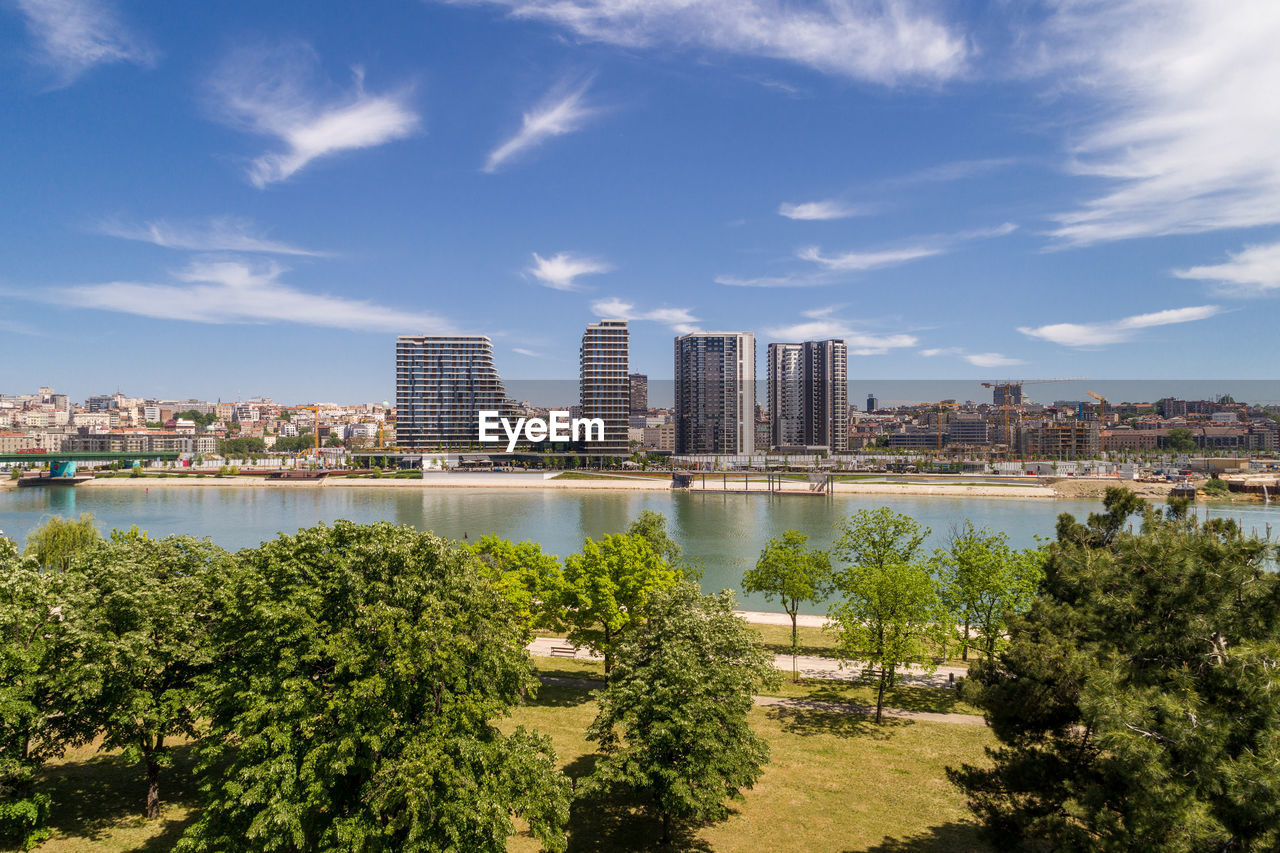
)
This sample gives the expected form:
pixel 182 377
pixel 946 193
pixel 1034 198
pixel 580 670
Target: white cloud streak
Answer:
pixel 221 291
pixel 862 261
pixel 561 270
pixel 1092 335
pixel 819 210
pixel 563 110
pixel 218 234
pixel 1254 271
pixel 881 41
pixel 977 359
pixel 75 35
pixel 679 320
pixel 274 93
pixel 1186 139
pixel 859 341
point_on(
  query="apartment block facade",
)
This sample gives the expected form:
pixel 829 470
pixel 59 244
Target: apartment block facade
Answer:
pixel 442 384
pixel 715 379
pixel 604 386
pixel 808 387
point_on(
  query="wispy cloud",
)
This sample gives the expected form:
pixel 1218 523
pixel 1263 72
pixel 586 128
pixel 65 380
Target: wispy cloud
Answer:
pixel 837 267
pixel 977 359
pixel 824 326
pixel 220 290
pixel 820 210
pixel 680 320
pixel 561 270
pixel 276 93
pixel 1087 335
pixel 72 36
pixel 955 170
pixel 881 41
pixel 527 352
pixel 1185 142
pixel 1252 272
pixel 563 110
pixel 217 234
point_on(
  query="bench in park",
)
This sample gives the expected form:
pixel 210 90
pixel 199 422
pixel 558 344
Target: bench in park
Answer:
pixel 563 651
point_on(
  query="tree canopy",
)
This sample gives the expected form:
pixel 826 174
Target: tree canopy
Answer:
pixel 57 540
pixel 1137 704
pixel 792 574
pixel 607 588
pixel 530 579
pixel 351 704
pixel 984 580
pixel 673 720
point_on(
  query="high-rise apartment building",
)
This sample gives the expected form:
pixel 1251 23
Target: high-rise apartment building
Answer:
pixel 603 384
pixel 442 384
pixel 639 385
pixel 872 403
pixel 809 395
pixel 1009 394
pixel 715 378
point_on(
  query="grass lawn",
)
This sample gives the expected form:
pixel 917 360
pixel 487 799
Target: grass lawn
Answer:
pixel 835 782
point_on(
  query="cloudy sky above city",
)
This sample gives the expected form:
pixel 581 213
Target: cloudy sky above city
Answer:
pixel 241 199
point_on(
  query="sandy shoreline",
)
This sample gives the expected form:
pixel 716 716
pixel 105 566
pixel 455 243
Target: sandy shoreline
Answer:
pixel 540 481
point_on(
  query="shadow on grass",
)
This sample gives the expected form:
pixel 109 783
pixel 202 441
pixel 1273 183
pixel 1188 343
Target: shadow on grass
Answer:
pixel 946 838
pixel 93 796
pixel 807 722
pixel 803 650
pixel 618 822
pixel 942 700
pixel 560 696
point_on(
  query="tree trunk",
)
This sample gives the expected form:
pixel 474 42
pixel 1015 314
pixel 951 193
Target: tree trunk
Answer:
pixel 880 697
pixel 795 642
pixel 666 828
pixel 964 648
pixel 153 790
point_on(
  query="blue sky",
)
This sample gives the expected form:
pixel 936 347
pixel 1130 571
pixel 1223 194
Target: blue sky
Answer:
pixel 242 199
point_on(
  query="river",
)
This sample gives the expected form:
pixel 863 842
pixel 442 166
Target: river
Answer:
pixel 724 531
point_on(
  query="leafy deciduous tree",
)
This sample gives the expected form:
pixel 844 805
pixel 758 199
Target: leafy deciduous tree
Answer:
pixel 352 702
pixel 673 720
pixel 983 579
pixel 57 540
pixel 793 574
pixel 528 578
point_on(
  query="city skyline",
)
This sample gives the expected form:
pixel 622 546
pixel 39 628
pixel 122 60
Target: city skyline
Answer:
pixel 250 202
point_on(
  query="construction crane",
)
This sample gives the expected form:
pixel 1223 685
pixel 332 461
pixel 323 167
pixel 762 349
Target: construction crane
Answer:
pixel 1102 405
pixel 315 427
pixel 1006 387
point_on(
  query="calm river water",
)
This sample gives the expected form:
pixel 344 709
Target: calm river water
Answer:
pixel 725 532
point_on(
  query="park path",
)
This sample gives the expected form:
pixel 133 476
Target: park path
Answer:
pixel 808 666
pixel 807 705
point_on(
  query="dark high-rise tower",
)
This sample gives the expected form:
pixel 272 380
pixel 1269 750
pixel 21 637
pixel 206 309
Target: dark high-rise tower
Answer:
pixel 715 376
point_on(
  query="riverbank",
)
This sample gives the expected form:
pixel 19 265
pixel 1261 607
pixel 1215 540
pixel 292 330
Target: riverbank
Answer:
pixel 504 480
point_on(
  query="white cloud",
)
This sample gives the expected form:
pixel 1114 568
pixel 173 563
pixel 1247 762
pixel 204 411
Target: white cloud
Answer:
pixel 75 35
pixel 1185 139
pixel 1253 271
pixel 218 234
pixel 819 210
pixel 881 41
pixel 862 261
pixel 1082 335
pixel 561 269
pixel 977 359
pixel 274 93
pixel 822 326
pixel 680 320
pixel 231 291
pixel 562 110
pixel 527 352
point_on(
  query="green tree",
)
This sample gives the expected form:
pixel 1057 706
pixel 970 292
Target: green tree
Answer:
pixel 891 613
pixel 652 525
pixel 607 588
pixel 241 446
pixel 528 578
pixel 791 574
pixel 1180 440
pixel 294 443
pixel 57 540
pixel 983 580
pixel 147 637
pixel 43 685
pixel 673 720
pixel 1137 704
pixel 352 701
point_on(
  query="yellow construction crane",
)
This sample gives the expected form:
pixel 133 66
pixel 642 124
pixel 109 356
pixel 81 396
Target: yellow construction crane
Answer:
pixel 315 427
pixel 1102 405
pixel 1007 387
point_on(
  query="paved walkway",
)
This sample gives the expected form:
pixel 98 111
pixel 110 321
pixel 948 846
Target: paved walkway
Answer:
pixel 809 666
pixel 808 705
